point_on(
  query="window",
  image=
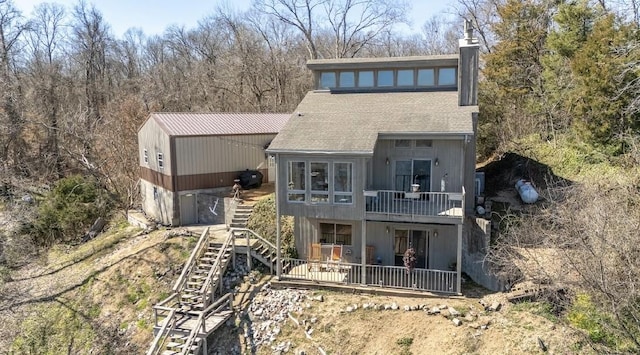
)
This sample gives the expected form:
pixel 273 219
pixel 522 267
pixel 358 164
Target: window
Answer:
pixel 160 161
pixel 333 233
pixel 320 182
pixel 425 77
pixel 365 79
pixel 385 78
pixel 155 192
pixel 447 76
pixel 347 79
pixel 296 185
pixel 423 143
pixel 343 183
pixel 403 143
pixel 405 77
pixel 327 80
pixel 146 156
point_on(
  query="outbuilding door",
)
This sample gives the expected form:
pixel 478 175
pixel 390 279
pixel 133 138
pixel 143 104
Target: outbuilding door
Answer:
pixel 188 210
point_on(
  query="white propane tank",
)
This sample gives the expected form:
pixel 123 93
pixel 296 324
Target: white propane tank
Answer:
pixel 527 193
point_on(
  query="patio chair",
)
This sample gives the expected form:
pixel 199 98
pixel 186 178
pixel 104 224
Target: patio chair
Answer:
pixel 315 256
pixel 336 253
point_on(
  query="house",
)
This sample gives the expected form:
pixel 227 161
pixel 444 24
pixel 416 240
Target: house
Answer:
pixel 379 158
pixel 185 157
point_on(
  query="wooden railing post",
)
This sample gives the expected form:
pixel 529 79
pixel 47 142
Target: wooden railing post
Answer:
pixel 248 250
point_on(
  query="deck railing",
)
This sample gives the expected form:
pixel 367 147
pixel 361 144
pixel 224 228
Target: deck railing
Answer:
pixel 163 333
pixel 201 323
pixel 211 283
pixel 417 279
pixel 415 204
pixel 196 254
pixel 439 281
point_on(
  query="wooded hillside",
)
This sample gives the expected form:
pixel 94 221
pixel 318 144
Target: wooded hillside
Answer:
pixel 560 83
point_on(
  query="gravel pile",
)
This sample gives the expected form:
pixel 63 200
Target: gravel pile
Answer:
pixel 267 311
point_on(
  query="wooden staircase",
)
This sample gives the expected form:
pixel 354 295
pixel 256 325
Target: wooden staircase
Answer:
pixel 241 216
pixel 259 248
pixel 184 320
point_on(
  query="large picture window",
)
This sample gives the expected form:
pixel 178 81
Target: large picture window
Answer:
pixel 334 233
pixel 296 185
pixel 319 182
pixel 343 183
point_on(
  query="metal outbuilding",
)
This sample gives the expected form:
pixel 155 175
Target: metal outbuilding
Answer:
pixel 185 157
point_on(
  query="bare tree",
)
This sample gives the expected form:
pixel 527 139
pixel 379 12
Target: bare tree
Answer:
pixel 12 27
pixel 583 239
pixel 45 38
pixel 353 24
pixel 482 14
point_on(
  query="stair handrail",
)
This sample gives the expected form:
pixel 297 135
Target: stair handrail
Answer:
pixel 259 237
pixel 162 333
pixel 216 265
pixel 195 255
pixel 201 321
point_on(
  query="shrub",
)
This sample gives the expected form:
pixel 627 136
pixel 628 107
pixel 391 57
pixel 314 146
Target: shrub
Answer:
pixel 263 222
pixel 70 209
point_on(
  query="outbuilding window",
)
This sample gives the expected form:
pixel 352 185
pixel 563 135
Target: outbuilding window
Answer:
pixel 160 161
pixel 146 156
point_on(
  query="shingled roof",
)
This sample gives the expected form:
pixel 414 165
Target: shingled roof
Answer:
pixel 209 124
pixel 350 123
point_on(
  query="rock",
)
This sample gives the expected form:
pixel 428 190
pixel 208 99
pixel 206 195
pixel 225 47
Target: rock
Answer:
pixel 484 327
pixel 349 309
pixel 313 320
pixel 407 308
pixel 469 318
pixel 365 306
pixel 434 310
pixel 355 307
pixel 457 322
pixel 387 306
pixel 473 325
pixel 445 313
pixel 495 306
pixel 453 312
pixel 443 306
pixel 394 306
pixel 414 308
pixel 258 312
pixel 319 298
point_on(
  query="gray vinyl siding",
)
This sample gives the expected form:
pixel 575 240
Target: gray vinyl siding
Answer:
pixel 448 152
pixel 212 154
pixel 470 169
pixel 353 211
pixel 155 140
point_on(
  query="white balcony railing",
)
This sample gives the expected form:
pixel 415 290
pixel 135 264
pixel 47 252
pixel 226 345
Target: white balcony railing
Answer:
pixel 440 281
pixel 415 204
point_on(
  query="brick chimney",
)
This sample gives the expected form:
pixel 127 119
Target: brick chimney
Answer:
pixel 468 67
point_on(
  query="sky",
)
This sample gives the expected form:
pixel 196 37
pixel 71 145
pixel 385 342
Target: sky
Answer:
pixel 154 16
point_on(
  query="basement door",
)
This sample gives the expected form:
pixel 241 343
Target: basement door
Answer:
pixel 188 209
